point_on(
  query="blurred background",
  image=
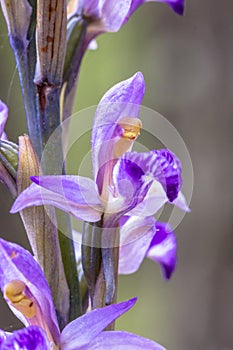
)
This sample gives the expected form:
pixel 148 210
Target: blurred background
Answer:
pixel 187 64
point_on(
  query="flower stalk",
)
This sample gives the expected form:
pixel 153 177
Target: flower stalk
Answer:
pixel 51 48
pixel 20 17
pixel 91 256
pixel 50 54
pixel 100 256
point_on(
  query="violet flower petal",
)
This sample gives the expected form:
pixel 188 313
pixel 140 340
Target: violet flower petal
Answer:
pixel 3 336
pixel 181 202
pixel 80 332
pixel 74 194
pixel 169 172
pixel 30 338
pixel 114 13
pixel 161 165
pixel 18 264
pixel 176 5
pixel 3 119
pixel 144 237
pixel 122 100
pixel 106 16
pixel 163 249
pixel 130 184
pixel 92 8
pixel 119 340
pixel 154 200
pixel 135 239
pixel 136 176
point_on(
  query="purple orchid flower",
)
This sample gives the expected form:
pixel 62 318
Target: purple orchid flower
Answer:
pixel 129 187
pixel 28 295
pixel 110 15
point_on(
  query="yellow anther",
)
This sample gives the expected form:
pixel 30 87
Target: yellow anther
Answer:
pixel 131 127
pixel 14 292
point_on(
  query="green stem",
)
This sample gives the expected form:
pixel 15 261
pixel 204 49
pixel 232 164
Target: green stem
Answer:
pixel 69 262
pixel 53 163
pixel 91 255
pixel 100 257
pixel 50 51
pixel 110 259
pixel 41 100
pixel 26 61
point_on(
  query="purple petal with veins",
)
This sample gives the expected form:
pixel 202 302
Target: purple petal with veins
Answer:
pixel 119 340
pixel 74 194
pixel 144 237
pixel 122 100
pixel 3 336
pixel 181 202
pixel 80 332
pixel 161 165
pixel 101 15
pixel 163 248
pixel 135 238
pixel 169 172
pixel 92 8
pixel 130 183
pixel 30 338
pixel 176 5
pixel 105 16
pixel 113 14
pixel 154 200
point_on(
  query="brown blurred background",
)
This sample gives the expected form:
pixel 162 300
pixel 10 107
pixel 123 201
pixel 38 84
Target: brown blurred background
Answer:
pixel 187 64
